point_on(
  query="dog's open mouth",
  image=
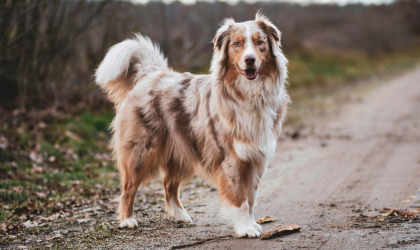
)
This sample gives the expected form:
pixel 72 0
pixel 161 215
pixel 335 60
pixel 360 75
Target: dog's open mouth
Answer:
pixel 250 74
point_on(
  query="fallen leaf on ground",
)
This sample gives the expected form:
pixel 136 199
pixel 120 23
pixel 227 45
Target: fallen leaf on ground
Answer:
pixel 40 195
pixel 72 136
pixel 3 142
pixel 83 220
pixel 37 169
pixel 21 210
pixel 30 224
pixel 54 237
pixel 18 189
pixel 409 213
pixel 277 231
pixel 387 213
pixel 405 201
pixel 396 212
pixel 266 219
pixel 412 197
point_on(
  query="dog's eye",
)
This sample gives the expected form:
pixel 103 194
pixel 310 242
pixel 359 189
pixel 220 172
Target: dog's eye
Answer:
pixel 237 44
pixel 259 42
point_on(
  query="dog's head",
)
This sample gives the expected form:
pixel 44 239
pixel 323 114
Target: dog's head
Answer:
pixel 249 49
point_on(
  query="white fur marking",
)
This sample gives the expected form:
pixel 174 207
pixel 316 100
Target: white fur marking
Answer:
pixel 249 49
pixel 129 222
pixel 178 214
pixel 244 225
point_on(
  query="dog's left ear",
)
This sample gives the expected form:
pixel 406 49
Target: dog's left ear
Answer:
pixel 274 37
pixel 268 27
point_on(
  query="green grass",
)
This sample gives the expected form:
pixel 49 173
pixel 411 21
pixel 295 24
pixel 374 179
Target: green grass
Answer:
pixel 55 160
pixel 317 75
pixel 12 197
pixel 309 69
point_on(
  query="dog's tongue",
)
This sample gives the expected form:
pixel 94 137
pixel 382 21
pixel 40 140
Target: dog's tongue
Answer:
pixel 250 73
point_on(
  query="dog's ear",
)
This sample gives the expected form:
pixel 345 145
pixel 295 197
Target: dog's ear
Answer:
pixel 222 33
pixel 274 38
pixel 268 27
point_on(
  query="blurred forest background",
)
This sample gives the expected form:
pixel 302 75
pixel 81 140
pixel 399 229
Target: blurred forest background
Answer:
pixel 49 49
pixel 54 121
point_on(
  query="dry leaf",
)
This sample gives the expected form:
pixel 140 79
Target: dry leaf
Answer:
pixel 4 142
pixel 409 213
pixel 36 157
pixel 18 189
pixel 40 195
pixel 411 197
pixel 30 224
pixel 405 201
pixel 266 219
pixel 72 136
pixel 387 213
pixel 37 169
pixel 21 211
pixel 277 231
pixel 54 237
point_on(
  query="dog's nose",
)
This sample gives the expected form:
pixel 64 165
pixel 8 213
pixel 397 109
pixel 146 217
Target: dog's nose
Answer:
pixel 249 60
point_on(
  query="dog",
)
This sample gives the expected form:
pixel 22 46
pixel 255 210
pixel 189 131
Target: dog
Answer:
pixel 223 126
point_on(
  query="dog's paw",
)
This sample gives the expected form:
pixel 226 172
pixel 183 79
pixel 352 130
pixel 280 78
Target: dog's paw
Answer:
pixel 181 216
pixel 258 227
pixel 248 231
pixel 129 223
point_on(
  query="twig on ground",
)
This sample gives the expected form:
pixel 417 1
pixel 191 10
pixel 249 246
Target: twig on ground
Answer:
pixel 201 241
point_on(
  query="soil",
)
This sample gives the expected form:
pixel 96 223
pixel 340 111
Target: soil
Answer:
pixel 333 176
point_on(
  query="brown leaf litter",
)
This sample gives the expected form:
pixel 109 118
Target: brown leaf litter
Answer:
pixel 278 231
pixel 266 219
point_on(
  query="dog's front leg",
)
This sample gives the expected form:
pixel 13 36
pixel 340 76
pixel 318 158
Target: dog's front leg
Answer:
pixel 252 201
pixel 237 192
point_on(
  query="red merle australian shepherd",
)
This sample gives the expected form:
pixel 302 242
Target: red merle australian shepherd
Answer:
pixel 223 125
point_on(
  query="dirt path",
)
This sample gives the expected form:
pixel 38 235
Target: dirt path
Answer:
pixel 356 163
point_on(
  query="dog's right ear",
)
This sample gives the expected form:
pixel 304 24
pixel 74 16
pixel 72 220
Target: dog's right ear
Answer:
pixel 222 33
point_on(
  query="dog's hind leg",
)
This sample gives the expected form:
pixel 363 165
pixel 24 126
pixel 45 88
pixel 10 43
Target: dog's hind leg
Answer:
pixel 133 171
pixel 130 184
pixel 172 180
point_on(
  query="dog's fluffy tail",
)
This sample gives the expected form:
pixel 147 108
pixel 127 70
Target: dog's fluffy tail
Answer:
pixel 124 62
